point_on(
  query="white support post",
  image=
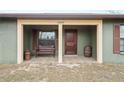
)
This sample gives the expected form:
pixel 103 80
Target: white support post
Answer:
pixel 19 43
pixel 60 31
pixel 99 43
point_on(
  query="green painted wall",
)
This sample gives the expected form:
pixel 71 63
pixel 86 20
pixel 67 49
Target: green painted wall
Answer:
pixel 27 39
pixel 8 41
pixel 84 38
pixel 108 56
pixel 93 42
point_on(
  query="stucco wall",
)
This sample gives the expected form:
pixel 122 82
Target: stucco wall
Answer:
pixel 84 38
pixel 8 41
pixel 108 56
pixel 93 42
pixel 27 40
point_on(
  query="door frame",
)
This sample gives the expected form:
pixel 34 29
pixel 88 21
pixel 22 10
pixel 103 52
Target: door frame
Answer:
pixel 67 30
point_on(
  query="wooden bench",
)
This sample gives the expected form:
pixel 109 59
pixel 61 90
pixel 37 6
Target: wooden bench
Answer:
pixel 45 50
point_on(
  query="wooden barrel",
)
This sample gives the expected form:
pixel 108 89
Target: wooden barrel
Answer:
pixel 27 55
pixel 88 51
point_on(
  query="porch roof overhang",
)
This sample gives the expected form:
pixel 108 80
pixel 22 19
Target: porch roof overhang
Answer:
pixel 61 16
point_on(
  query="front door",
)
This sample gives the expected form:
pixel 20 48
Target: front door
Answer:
pixel 70 41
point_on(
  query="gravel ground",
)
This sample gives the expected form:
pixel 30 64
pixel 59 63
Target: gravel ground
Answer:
pixel 51 72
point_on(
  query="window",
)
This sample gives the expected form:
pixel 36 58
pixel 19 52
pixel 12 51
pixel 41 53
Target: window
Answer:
pixel 121 39
pixel 47 38
pixel 122 45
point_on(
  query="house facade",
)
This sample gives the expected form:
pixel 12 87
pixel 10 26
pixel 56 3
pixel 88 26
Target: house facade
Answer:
pixel 62 34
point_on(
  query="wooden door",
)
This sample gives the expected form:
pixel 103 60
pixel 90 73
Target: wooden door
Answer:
pixel 70 41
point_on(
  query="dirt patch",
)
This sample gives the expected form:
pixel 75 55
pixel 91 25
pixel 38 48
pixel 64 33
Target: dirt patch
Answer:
pixel 53 72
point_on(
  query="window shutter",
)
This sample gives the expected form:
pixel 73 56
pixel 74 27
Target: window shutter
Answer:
pixel 116 39
pixel 34 41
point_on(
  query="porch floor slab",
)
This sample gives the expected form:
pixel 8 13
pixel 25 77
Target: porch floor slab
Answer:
pixel 66 60
pixel 78 59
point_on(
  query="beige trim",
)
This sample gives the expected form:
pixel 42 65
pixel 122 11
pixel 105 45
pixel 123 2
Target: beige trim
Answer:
pixel 22 22
pixel 55 22
pixel 19 42
pixel 60 29
pixel 99 43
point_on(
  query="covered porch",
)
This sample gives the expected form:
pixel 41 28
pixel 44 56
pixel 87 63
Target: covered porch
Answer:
pixel 88 32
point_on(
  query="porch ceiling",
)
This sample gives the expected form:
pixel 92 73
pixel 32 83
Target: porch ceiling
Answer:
pixel 41 27
pixel 55 27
